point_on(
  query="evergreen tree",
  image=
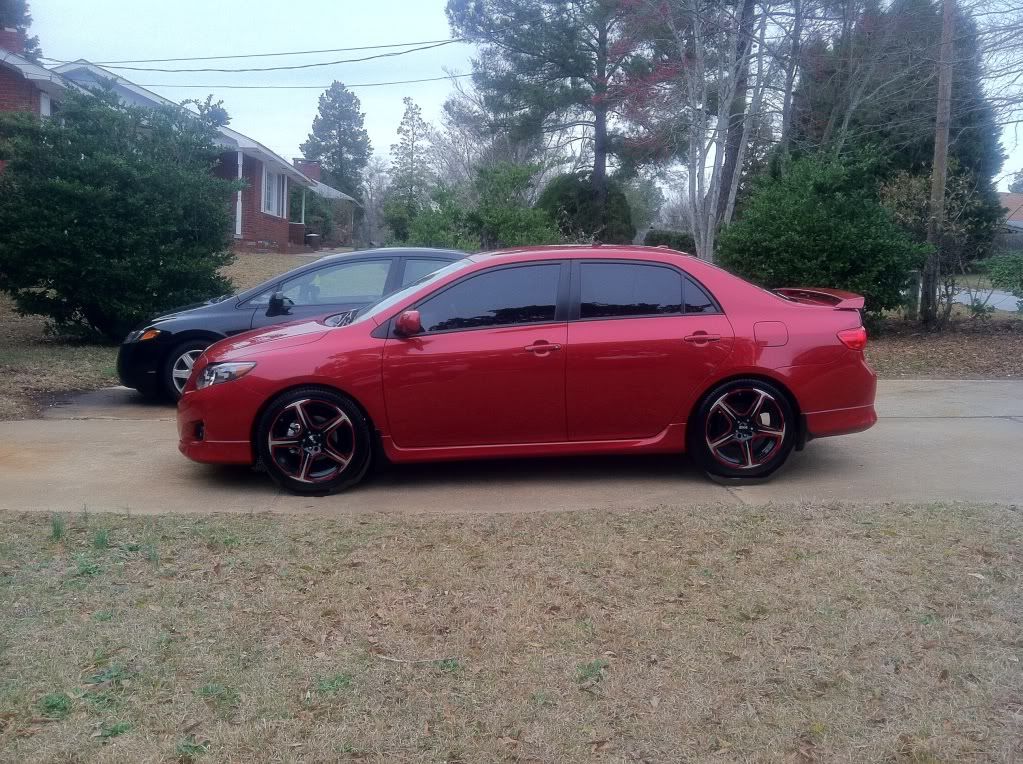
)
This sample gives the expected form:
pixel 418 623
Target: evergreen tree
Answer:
pixel 548 64
pixel 410 174
pixel 1016 185
pixel 339 140
pixel 14 15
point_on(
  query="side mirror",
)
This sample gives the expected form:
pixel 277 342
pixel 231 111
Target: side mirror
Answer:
pixel 279 304
pixel 408 324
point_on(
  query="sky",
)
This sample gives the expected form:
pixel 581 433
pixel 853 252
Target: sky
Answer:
pixel 280 119
pixel 110 30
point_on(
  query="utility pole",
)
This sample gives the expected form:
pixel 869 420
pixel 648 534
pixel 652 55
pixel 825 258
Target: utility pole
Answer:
pixel 939 168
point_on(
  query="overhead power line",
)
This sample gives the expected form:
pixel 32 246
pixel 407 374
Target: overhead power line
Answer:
pixel 308 87
pixel 283 68
pixel 260 55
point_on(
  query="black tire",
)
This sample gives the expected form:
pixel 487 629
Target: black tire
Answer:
pixel 310 456
pixel 763 430
pixel 170 366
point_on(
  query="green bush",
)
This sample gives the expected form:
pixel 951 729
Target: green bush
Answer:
pixel 820 224
pixel 1006 272
pixel 500 218
pixel 571 202
pixel 111 213
pixel 677 240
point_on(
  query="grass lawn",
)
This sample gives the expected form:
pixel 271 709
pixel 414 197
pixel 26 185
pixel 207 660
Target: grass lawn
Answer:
pixel 800 633
pixel 34 365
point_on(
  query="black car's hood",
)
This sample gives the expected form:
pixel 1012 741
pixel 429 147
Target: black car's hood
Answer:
pixel 184 311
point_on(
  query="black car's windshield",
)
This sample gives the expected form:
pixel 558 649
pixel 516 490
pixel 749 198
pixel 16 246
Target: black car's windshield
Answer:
pixel 391 300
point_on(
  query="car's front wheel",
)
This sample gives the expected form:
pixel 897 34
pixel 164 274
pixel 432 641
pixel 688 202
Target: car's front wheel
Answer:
pixel 314 441
pixel 743 428
pixel 177 368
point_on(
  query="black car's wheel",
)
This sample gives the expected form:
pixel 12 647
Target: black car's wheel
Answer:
pixel 314 441
pixel 742 428
pixel 177 367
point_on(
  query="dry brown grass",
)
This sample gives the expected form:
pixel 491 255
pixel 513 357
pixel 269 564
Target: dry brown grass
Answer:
pixel 981 349
pixel 809 633
pixel 35 365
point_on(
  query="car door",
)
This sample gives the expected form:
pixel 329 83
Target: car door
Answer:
pixel 331 289
pixel 642 339
pixel 489 365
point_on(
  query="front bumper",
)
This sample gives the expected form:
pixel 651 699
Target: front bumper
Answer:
pixel 215 424
pixel 138 364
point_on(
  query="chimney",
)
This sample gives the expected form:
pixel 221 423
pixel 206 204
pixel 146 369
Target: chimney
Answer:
pixel 308 167
pixel 12 40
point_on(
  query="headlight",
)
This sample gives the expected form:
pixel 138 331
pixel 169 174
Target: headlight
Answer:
pixel 142 335
pixel 216 373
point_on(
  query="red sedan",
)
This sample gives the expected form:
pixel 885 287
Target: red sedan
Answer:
pixel 530 352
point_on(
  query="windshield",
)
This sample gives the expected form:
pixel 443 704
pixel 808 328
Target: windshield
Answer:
pixel 382 306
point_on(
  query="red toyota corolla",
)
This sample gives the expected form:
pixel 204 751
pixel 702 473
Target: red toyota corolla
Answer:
pixel 556 350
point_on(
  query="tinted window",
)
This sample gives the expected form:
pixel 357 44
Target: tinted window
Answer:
pixel 610 290
pixel 416 269
pixel 697 300
pixel 521 295
pixel 346 282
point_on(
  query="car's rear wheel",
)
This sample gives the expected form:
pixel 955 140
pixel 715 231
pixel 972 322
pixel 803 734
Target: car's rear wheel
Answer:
pixel 314 441
pixel 743 428
pixel 178 366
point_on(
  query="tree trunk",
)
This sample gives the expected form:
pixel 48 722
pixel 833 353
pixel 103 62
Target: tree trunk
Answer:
pixel 939 169
pixel 747 125
pixel 599 178
pixel 790 77
pixel 731 168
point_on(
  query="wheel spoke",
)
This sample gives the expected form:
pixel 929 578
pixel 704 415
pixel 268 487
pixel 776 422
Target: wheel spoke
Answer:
pixel 189 360
pixel 724 440
pixel 771 432
pixel 299 407
pixel 335 456
pixel 307 463
pixel 182 373
pixel 747 454
pixel 335 423
pixel 284 443
pixel 755 408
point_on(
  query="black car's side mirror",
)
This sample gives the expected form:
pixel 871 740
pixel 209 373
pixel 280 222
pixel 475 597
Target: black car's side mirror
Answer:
pixel 279 305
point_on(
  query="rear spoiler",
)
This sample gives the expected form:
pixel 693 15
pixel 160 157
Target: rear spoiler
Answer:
pixel 831 298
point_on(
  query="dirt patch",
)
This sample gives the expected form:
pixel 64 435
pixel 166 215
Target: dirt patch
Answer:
pixel 991 349
pixel 802 633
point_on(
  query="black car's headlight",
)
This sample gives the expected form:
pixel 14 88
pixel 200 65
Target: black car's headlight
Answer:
pixel 143 335
pixel 216 373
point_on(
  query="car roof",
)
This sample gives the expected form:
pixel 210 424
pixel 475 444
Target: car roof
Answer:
pixel 581 251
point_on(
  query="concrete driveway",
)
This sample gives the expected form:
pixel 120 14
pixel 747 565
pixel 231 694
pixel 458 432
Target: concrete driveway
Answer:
pixel 936 440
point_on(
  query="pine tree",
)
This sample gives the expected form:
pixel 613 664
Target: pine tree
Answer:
pixel 409 170
pixel 339 140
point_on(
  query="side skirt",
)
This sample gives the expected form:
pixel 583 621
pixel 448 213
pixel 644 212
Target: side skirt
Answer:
pixel 671 440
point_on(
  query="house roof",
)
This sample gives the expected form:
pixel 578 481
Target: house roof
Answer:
pixel 49 82
pixel 81 72
pixel 1013 203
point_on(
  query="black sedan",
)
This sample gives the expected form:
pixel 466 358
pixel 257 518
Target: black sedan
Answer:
pixel 156 359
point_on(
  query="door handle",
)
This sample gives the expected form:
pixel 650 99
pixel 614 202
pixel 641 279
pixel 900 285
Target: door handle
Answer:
pixel 700 337
pixel 542 347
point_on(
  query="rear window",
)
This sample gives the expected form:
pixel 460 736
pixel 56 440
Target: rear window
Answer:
pixel 620 290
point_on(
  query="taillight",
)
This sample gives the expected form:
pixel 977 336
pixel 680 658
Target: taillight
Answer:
pixel 854 339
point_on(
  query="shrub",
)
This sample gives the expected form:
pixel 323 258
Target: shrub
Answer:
pixel 571 202
pixel 503 218
pixel 820 224
pixel 678 240
pixel 111 213
pixel 1006 272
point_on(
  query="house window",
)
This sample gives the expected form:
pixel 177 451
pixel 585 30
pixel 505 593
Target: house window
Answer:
pixel 45 107
pixel 275 193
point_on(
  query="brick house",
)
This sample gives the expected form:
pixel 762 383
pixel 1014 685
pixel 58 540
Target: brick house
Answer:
pixel 24 85
pixel 260 210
